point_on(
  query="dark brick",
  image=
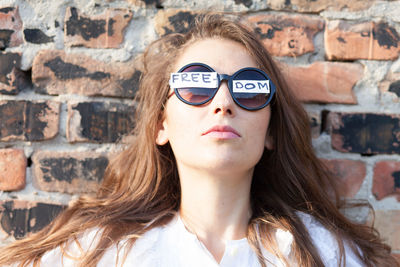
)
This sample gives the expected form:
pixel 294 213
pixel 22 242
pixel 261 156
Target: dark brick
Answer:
pixel 9 73
pixel 101 31
pixel 246 3
pixel 99 122
pixel 65 71
pixel 385 35
pixel 365 133
pixel 130 85
pixel 6 10
pixel 155 3
pixel 315 123
pixel 36 36
pixel 170 21
pixel 82 26
pixel 5 38
pixel 69 172
pixel 30 121
pixel 19 218
pixel 395 88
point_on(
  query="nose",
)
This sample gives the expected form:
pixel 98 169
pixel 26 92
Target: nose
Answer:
pixel 222 103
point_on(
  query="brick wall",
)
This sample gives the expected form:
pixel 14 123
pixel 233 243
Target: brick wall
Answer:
pixel 68 73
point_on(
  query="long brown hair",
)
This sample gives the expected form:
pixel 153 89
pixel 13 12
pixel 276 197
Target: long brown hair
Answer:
pixel 141 188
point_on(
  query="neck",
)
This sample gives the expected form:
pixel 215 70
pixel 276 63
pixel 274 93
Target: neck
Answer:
pixel 216 207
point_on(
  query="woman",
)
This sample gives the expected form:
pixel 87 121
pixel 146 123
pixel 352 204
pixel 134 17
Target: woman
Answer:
pixel 220 172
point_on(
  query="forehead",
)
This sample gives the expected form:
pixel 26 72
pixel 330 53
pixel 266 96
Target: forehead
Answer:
pixel 223 55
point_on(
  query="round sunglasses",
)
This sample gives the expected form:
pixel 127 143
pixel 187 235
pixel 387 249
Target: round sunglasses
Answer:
pixel 197 83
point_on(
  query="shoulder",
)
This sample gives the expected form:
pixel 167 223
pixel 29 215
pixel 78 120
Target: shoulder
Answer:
pixel 326 243
pixel 70 254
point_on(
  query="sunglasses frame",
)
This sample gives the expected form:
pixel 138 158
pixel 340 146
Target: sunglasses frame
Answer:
pixel 229 79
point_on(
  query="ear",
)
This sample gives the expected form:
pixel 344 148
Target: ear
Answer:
pixel 162 135
pixel 269 142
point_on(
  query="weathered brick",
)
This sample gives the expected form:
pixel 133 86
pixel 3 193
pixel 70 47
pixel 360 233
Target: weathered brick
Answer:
pixel 55 72
pixel 391 85
pixel 19 218
pixel 10 28
pixel 349 173
pixel 315 123
pixel 98 121
pixel 386 181
pixel 285 35
pixel 323 82
pixel 366 40
pixel 11 79
pixel 28 120
pixel 387 222
pixel 365 133
pixel 320 5
pixel 12 169
pixel 68 172
pixel 169 21
pixel 99 31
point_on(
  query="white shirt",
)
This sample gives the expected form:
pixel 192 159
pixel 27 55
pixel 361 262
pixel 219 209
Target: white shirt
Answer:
pixel 174 246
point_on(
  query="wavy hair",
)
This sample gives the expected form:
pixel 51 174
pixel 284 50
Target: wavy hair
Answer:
pixel 141 189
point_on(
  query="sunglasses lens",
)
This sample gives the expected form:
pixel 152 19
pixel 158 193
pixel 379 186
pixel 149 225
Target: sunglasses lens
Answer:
pixel 251 89
pixel 196 95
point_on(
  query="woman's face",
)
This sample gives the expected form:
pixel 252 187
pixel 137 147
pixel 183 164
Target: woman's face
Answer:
pixel 218 136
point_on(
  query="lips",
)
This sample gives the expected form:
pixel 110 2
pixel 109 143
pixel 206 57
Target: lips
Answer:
pixel 222 132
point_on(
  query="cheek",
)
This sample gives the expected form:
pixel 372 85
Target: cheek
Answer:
pixel 181 125
pixel 262 121
pixel 262 129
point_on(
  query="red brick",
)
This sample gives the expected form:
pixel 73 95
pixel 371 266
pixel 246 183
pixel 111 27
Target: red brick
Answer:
pixel 99 122
pixel 366 40
pixel 321 5
pixel 19 218
pixel 323 82
pixel 397 257
pixel 98 31
pixel 54 72
pixel 28 120
pixel 10 73
pixel 285 35
pixel 170 20
pixel 386 180
pixel 365 133
pixel 350 174
pixel 12 169
pixel 68 172
pixel 387 222
pixel 10 27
